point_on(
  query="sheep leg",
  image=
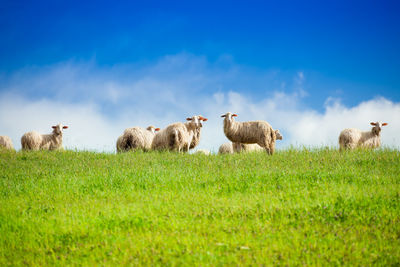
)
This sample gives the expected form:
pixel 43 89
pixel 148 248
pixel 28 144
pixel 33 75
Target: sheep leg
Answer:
pixel 190 141
pixel 272 148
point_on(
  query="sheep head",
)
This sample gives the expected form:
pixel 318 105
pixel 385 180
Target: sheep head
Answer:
pixel 196 120
pixel 229 116
pixel 58 129
pixel 152 129
pixel 377 127
pixel 278 135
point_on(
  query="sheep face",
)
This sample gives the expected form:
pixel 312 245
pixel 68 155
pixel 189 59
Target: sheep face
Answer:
pixel 229 116
pixel 58 129
pixel 152 129
pixel 196 120
pixel 278 135
pixel 377 127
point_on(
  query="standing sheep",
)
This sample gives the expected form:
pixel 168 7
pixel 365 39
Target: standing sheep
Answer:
pixel 352 138
pixel 179 136
pixel 250 132
pixel 5 142
pixel 226 148
pixel 136 138
pixel 35 141
pixel 239 147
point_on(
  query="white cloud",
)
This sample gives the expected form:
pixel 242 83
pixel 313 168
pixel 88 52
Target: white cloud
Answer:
pixel 98 103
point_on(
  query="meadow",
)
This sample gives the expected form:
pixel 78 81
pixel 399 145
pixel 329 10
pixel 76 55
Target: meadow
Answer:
pixel 297 207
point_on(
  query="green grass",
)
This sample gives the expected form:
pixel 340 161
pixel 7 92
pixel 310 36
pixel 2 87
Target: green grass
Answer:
pixel 297 207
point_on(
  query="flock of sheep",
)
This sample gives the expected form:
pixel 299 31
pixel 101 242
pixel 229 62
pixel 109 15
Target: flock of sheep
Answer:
pixel 181 137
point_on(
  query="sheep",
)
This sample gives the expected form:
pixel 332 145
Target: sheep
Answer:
pixel 226 148
pixel 35 141
pixel 179 136
pixel 6 143
pixel 250 132
pixel 352 138
pixel 239 147
pixel 136 138
pixel 203 151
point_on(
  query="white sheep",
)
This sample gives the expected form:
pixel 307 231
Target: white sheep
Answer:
pixel 179 136
pixel 250 132
pixel 239 147
pixel 203 152
pixel 226 148
pixel 136 138
pixel 35 141
pixel 5 142
pixel 352 138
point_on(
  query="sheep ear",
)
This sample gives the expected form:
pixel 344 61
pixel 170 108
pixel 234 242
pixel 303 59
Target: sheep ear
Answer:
pixel 373 123
pixel 188 119
pixel 65 127
pixel 53 127
pixel 384 124
pixel 204 119
pixel 234 115
pixel 156 129
pixel 223 115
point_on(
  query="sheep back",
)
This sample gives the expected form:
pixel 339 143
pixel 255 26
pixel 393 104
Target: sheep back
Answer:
pixel 5 142
pixel 239 147
pixel 31 141
pixel 203 151
pixel 226 148
pixel 250 132
pixel 349 138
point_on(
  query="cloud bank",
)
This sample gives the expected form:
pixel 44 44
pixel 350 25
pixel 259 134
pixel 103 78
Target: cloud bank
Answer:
pixel 98 103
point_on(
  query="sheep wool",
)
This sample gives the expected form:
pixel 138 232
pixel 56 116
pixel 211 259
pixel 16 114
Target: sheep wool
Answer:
pixel 240 147
pixel 226 148
pixel 5 142
pixel 203 151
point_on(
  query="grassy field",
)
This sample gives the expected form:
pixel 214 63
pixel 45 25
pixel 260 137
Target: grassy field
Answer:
pixel 297 207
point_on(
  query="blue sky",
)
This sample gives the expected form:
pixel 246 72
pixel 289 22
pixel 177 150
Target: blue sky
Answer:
pixel 166 60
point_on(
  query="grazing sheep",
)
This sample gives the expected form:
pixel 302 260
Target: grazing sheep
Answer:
pixel 35 141
pixel 136 138
pixel 179 136
pixel 226 148
pixel 203 151
pixel 5 142
pixel 352 138
pixel 250 132
pixel 239 147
